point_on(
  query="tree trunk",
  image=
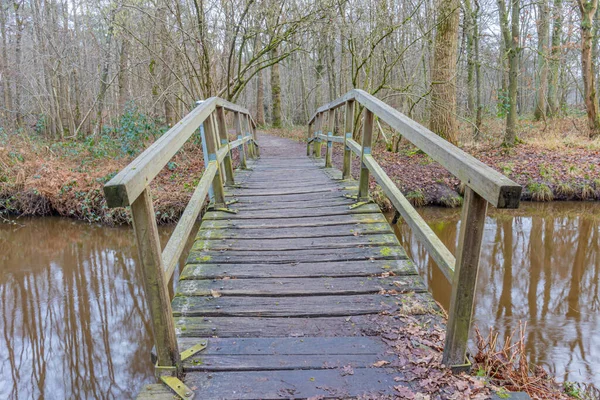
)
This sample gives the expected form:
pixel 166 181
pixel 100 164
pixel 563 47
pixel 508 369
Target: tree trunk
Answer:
pixel 260 99
pixel 542 70
pixel 5 81
pixel 275 90
pixel 511 43
pixel 443 74
pixel 470 22
pixel 18 55
pixel 479 116
pixel 588 10
pixel 555 53
pixel 104 75
pixel 123 76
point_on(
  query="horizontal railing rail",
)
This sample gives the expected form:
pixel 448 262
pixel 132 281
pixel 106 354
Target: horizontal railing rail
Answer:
pixel 483 185
pixel 130 187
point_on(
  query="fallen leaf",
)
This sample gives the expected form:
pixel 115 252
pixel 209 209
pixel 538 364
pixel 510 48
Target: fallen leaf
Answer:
pixel 214 293
pixel 380 363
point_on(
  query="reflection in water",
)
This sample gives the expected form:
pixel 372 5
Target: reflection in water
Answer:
pixel 73 313
pixel 539 264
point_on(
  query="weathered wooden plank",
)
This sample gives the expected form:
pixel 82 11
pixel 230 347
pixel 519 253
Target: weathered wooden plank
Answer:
pixel 268 385
pixel 294 213
pixel 282 192
pixel 311 306
pixel 207 232
pixel 300 256
pixel 355 219
pixel 308 197
pixel 294 270
pixel 250 205
pixel 300 286
pixel 295 243
pixel 235 327
pixel 358 345
pixel 278 362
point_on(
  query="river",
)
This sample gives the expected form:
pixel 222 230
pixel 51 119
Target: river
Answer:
pixel 74 319
pixel 540 264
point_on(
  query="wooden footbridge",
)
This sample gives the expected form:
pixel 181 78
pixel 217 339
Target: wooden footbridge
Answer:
pixel 293 270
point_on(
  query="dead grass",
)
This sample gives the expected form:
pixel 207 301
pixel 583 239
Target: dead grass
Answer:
pixel 506 365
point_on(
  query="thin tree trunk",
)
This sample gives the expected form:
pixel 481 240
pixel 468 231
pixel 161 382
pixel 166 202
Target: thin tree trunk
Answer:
pixel 443 75
pixel 469 27
pixel 555 53
pixel 511 43
pixel 260 99
pixel 275 90
pixel 588 10
pixel 104 75
pixel 18 55
pixel 123 76
pixel 542 70
pixel 5 81
pixel 479 116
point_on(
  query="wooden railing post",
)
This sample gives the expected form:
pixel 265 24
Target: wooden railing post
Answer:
pixel 465 278
pixel 308 137
pixel 212 147
pixel 253 130
pixel 348 130
pixel 238 130
pixel 251 149
pixel 317 139
pixel 330 130
pixel 224 142
pixel 155 285
pixel 363 184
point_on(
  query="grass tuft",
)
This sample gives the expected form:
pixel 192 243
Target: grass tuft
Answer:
pixel 540 192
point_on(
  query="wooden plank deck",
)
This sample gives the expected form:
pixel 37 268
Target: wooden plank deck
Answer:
pixel 287 291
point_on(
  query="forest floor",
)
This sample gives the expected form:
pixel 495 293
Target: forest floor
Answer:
pixel 42 177
pixel 555 163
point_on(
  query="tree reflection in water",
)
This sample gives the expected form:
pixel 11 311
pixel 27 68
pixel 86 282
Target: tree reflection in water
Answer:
pixel 73 314
pixel 539 264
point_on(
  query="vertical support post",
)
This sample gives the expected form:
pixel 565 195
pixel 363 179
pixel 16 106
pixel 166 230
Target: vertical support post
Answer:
pixel 253 130
pixel 155 285
pixel 308 137
pixel 211 194
pixel 465 278
pixel 251 149
pixel 348 130
pixel 317 139
pixel 330 129
pixel 224 142
pixel 211 147
pixel 363 184
pixel 238 130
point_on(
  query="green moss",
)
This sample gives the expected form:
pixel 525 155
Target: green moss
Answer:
pixel 416 198
pixel 386 251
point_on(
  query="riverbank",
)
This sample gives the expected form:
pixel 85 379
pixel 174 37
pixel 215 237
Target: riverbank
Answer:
pixel 559 164
pixel 67 178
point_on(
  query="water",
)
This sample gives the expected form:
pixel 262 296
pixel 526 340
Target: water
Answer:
pixel 74 322
pixel 539 264
pixel 73 316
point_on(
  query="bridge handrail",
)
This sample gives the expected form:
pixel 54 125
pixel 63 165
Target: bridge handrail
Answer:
pixel 497 189
pixel 482 185
pixel 130 187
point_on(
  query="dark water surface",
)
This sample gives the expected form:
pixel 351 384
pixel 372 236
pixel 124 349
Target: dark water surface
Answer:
pixel 539 264
pixel 73 317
